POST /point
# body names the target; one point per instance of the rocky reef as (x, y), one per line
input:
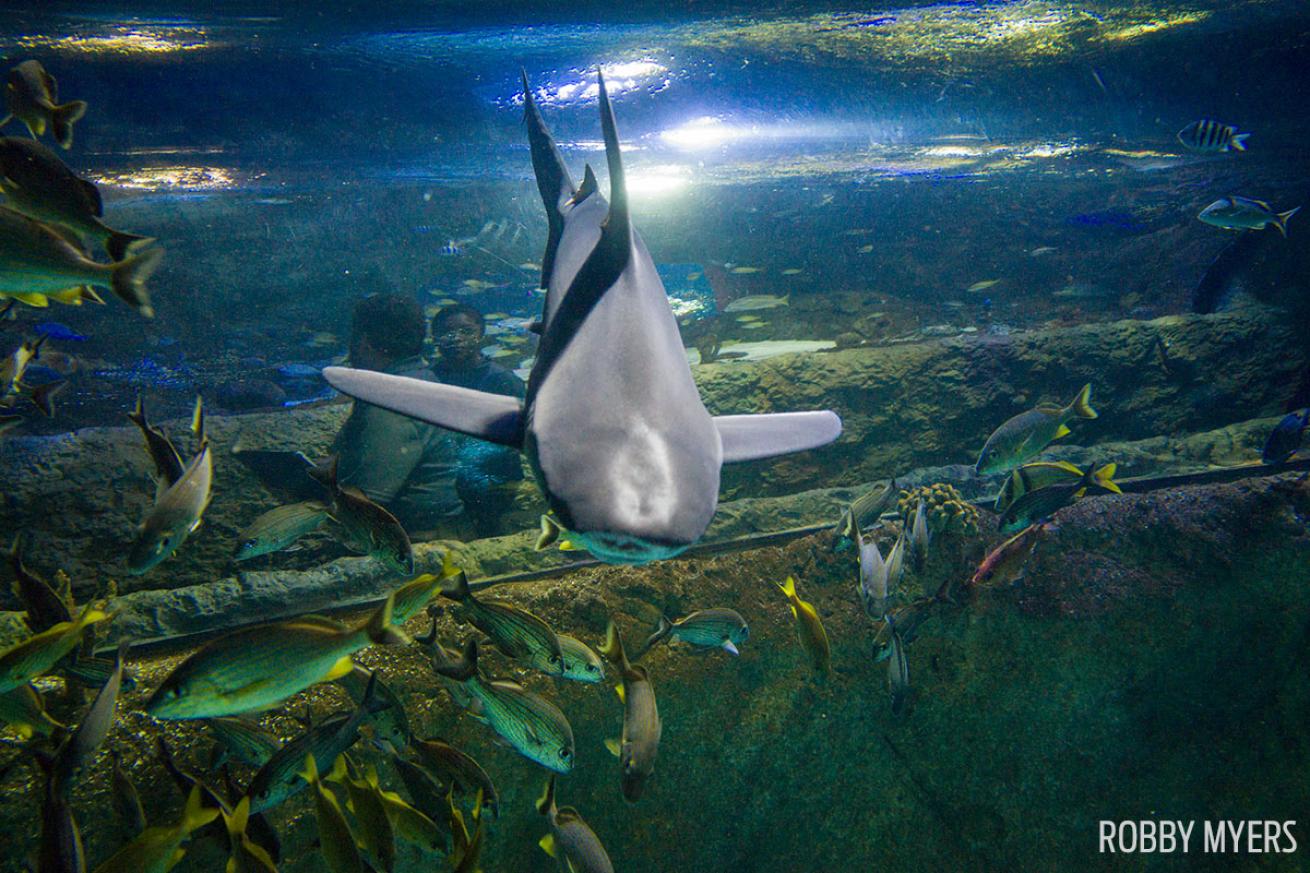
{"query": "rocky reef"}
(1123, 668)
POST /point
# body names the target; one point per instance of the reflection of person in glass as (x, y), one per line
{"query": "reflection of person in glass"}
(485, 473)
(400, 462)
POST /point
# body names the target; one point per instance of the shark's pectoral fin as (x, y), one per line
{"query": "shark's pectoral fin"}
(750, 437)
(495, 418)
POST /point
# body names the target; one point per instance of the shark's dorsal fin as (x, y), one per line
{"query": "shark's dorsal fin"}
(603, 267)
(553, 179)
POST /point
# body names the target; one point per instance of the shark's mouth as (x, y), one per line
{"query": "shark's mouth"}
(620, 548)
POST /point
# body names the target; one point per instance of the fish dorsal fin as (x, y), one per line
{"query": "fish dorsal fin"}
(589, 186)
(92, 195)
(553, 178)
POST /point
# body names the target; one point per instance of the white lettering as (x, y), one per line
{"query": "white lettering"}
(1186, 830)
(1214, 837)
(1107, 837)
(1287, 829)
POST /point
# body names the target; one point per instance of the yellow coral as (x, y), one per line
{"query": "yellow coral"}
(945, 508)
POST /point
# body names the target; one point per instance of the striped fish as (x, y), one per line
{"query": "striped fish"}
(515, 631)
(529, 722)
(718, 628)
(459, 770)
(581, 664)
(1208, 135)
(241, 740)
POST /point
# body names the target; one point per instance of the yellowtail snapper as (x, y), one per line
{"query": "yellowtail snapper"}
(23, 709)
(1026, 434)
(1039, 505)
(256, 668)
(639, 743)
(374, 829)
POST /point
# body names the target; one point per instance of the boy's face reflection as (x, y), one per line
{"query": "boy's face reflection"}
(460, 338)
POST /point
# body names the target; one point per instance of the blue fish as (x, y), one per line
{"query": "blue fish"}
(1111, 220)
(1285, 439)
(56, 331)
(147, 373)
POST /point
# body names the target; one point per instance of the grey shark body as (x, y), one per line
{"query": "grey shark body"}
(612, 425)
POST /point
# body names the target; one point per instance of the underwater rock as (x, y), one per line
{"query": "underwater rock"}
(245, 394)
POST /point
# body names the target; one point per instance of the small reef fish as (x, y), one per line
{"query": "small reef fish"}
(865, 249)
(639, 743)
(23, 709)
(1033, 476)
(32, 96)
(865, 510)
(717, 628)
(1041, 250)
(459, 770)
(898, 670)
(56, 331)
(406, 822)
(756, 302)
(93, 672)
(1004, 564)
(178, 508)
(79, 748)
(336, 842)
(38, 264)
(41, 186)
(256, 668)
(792, 271)
(44, 607)
(1026, 434)
(415, 594)
(873, 578)
(241, 740)
(531, 724)
(905, 621)
(280, 779)
(60, 849)
(364, 525)
(391, 728)
(280, 527)
(12, 386)
(979, 287)
(36, 655)
(164, 455)
(1038, 505)
(1285, 439)
(159, 849)
(917, 544)
(1208, 135)
(1243, 213)
(580, 664)
(744, 271)
(571, 840)
(809, 628)
(516, 632)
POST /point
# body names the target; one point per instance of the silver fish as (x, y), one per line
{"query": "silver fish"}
(1243, 213)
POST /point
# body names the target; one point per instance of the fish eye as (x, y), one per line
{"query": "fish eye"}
(591, 668)
(565, 753)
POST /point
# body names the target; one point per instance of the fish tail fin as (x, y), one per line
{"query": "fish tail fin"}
(88, 294)
(448, 568)
(138, 414)
(325, 473)
(62, 120)
(1283, 217)
(1082, 404)
(237, 821)
(1239, 141)
(44, 397)
(198, 419)
(196, 815)
(465, 668)
(788, 587)
(461, 591)
(550, 533)
(1105, 478)
(547, 800)
(612, 648)
(310, 773)
(379, 627)
(129, 280)
(120, 244)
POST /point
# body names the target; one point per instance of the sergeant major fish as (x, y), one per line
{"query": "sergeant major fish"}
(639, 743)
(1208, 135)
(1026, 434)
(32, 96)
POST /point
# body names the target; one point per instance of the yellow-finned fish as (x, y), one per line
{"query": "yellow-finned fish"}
(516, 632)
(23, 710)
(809, 628)
(32, 96)
(571, 840)
(24, 661)
(336, 842)
(1026, 434)
(374, 827)
(12, 386)
(178, 508)
(257, 668)
(38, 262)
(39, 185)
(246, 856)
(639, 744)
(159, 849)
